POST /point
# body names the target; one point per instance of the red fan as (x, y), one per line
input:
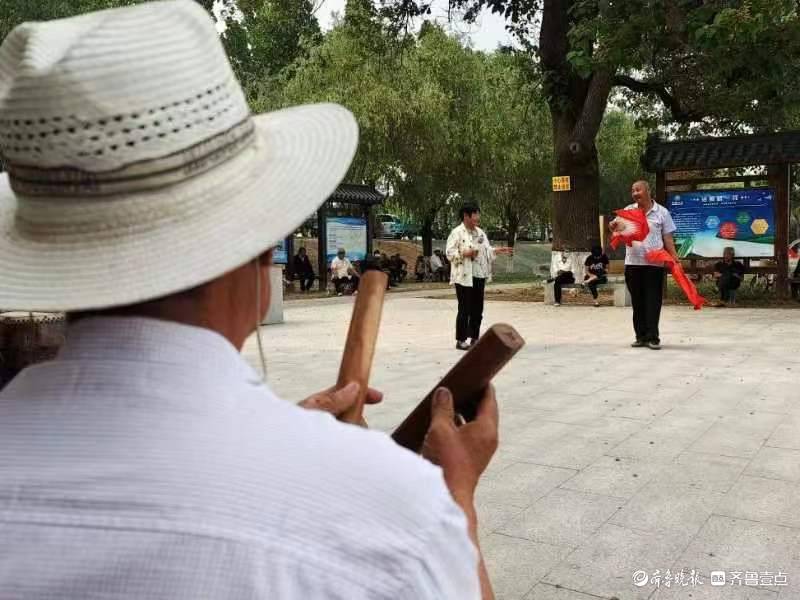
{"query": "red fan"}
(631, 227)
(687, 286)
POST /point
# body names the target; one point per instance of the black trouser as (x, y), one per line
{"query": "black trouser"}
(340, 282)
(561, 279)
(646, 285)
(592, 285)
(306, 281)
(726, 284)
(470, 309)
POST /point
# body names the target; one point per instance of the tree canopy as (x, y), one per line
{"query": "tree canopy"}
(697, 64)
(440, 123)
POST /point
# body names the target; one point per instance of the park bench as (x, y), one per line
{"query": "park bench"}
(616, 283)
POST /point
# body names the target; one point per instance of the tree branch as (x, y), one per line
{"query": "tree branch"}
(591, 117)
(679, 113)
(553, 41)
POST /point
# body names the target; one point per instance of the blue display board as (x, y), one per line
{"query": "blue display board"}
(280, 255)
(710, 220)
(349, 233)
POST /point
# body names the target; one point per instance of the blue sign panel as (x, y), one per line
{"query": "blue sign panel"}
(710, 220)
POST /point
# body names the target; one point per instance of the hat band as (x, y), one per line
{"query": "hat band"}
(143, 175)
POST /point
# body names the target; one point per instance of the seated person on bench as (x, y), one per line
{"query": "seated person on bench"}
(729, 274)
(437, 266)
(343, 272)
(445, 271)
(564, 276)
(421, 269)
(398, 268)
(596, 267)
(303, 270)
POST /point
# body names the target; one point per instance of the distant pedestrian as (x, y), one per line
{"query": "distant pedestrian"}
(645, 280)
(596, 266)
(729, 274)
(303, 270)
(471, 257)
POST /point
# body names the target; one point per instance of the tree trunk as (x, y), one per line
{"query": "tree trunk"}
(427, 236)
(576, 213)
(512, 226)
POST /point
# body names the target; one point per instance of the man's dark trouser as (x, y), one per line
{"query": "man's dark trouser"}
(726, 284)
(561, 279)
(470, 309)
(340, 282)
(646, 285)
(306, 281)
(593, 285)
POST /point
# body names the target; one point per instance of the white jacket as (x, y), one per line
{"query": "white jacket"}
(459, 242)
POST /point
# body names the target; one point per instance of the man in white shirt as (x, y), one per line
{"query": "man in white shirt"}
(644, 279)
(471, 258)
(149, 460)
(343, 272)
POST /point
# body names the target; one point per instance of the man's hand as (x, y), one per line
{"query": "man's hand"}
(339, 401)
(508, 251)
(469, 253)
(463, 452)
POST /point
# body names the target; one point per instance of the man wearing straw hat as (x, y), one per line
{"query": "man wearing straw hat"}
(149, 460)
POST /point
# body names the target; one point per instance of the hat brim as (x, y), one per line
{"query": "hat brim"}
(185, 234)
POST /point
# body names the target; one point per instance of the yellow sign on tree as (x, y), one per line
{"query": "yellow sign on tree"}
(562, 184)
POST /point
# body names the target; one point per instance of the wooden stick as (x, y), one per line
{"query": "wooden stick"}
(467, 381)
(359, 348)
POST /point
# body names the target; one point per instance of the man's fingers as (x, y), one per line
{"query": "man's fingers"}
(442, 410)
(345, 397)
(374, 396)
(487, 409)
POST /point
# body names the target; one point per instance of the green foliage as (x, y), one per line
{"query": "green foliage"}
(264, 37)
(261, 37)
(514, 141)
(439, 122)
(726, 63)
(14, 12)
(620, 143)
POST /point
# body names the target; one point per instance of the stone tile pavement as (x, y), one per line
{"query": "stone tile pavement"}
(612, 460)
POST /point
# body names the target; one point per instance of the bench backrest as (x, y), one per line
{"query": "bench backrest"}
(616, 267)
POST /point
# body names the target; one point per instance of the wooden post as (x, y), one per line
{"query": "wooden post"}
(370, 229)
(322, 245)
(661, 198)
(362, 338)
(780, 179)
(289, 245)
(661, 188)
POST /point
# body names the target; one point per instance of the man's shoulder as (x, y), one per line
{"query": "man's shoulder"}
(661, 209)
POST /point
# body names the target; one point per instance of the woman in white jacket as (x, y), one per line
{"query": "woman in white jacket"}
(471, 257)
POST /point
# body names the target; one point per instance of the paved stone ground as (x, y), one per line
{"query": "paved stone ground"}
(612, 459)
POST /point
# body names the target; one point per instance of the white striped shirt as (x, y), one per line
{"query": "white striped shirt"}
(660, 222)
(149, 462)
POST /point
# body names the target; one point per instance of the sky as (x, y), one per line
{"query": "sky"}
(485, 34)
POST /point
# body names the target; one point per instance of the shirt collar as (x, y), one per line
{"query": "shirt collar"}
(145, 340)
(653, 208)
(656, 206)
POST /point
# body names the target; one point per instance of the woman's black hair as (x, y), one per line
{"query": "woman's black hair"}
(470, 209)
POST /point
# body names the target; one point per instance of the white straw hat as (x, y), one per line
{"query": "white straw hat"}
(135, 169)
